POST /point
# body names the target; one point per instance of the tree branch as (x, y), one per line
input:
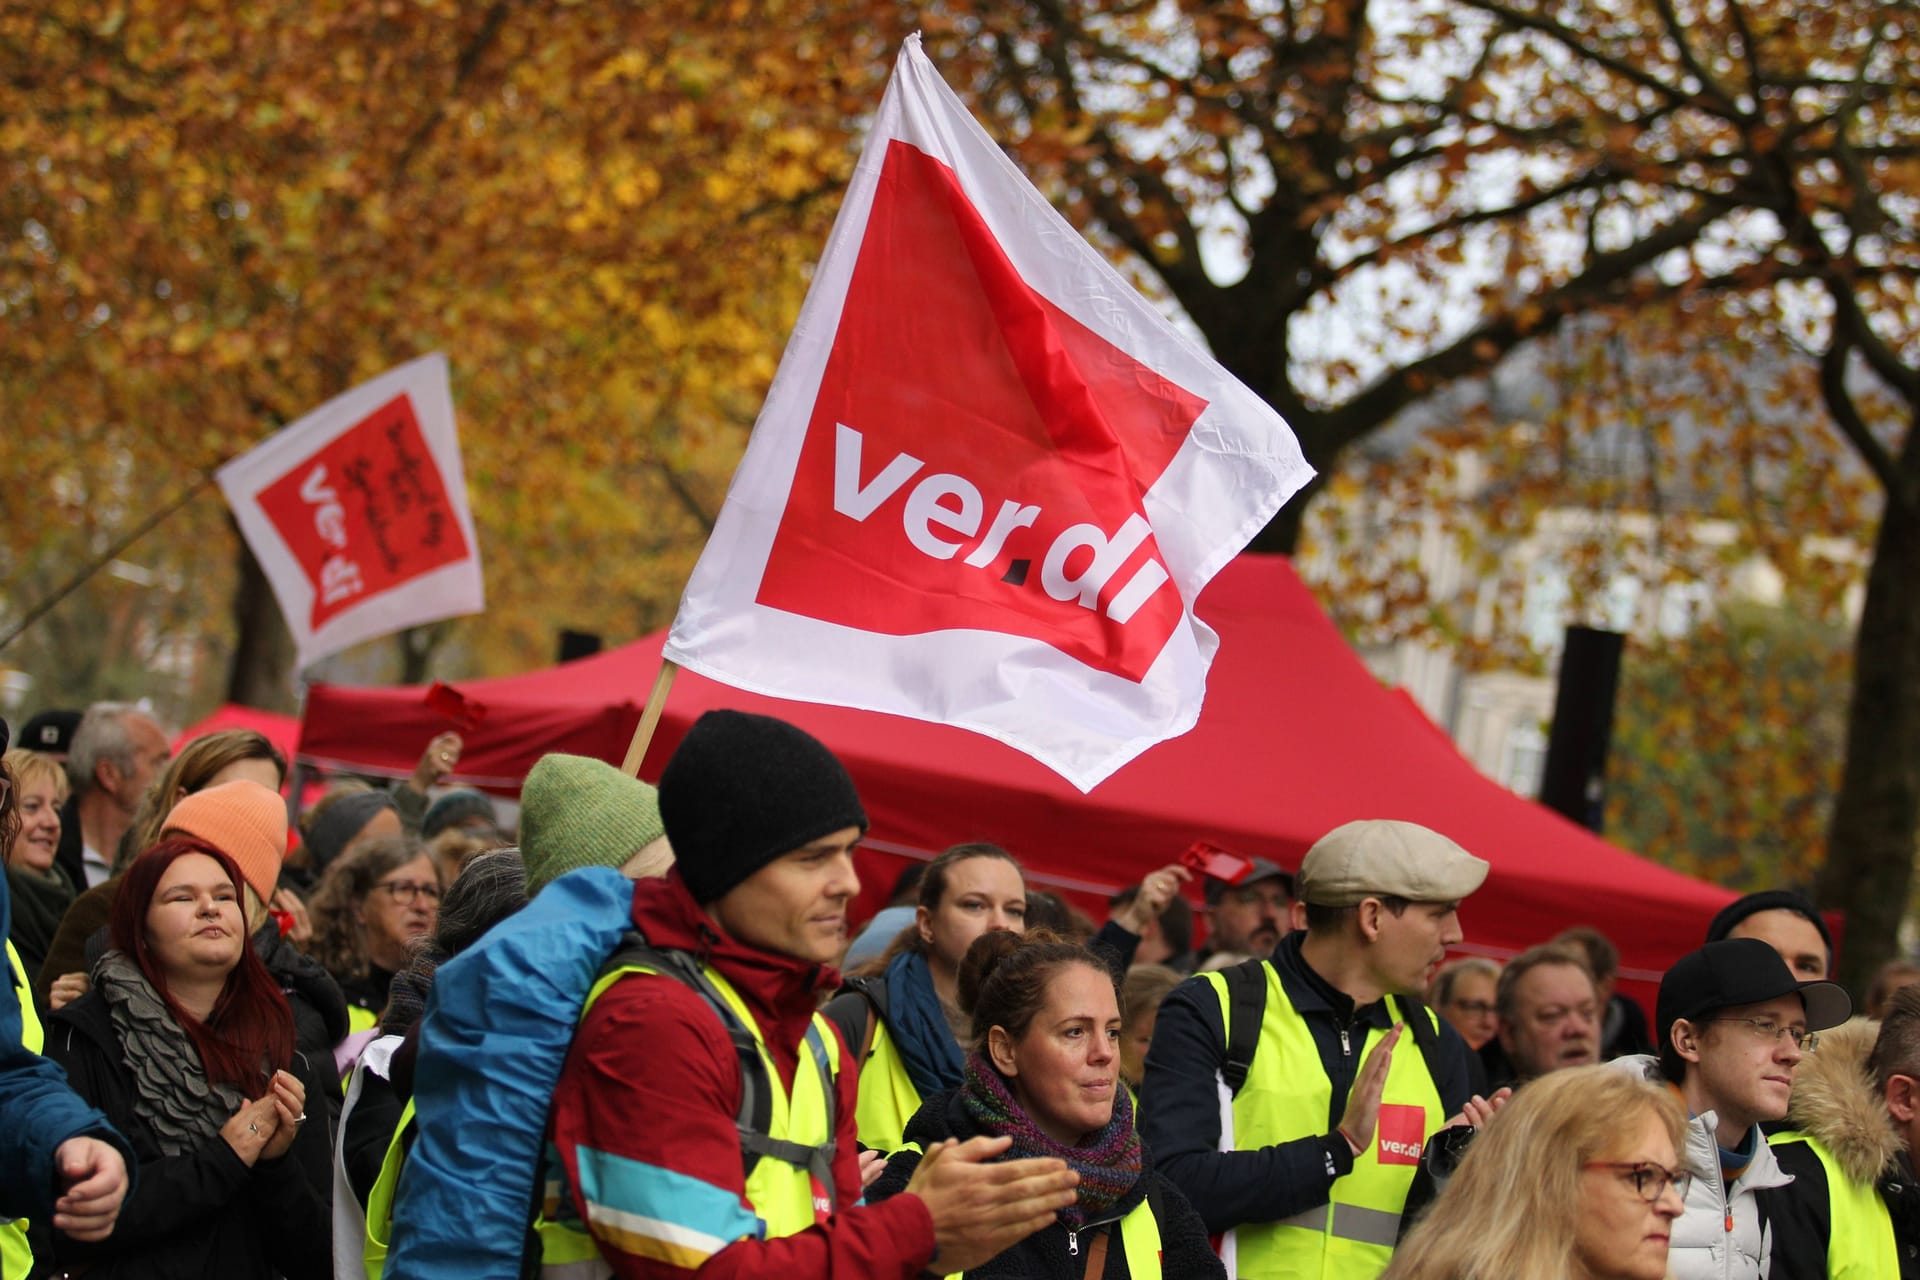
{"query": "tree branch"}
(1494, 336)
(1677, 32)
(1847, 417)
(1560, 35)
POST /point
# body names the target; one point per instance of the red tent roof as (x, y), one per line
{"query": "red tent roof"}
(1296, 737)
(282, 731)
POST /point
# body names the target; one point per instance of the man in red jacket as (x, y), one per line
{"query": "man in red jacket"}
(763, 821)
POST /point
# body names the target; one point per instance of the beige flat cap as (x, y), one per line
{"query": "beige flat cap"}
(1380, 857)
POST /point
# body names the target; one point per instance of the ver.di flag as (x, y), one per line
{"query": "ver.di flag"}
(989, 480)
(358, 512)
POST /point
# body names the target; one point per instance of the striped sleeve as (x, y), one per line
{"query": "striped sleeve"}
(644, 1130)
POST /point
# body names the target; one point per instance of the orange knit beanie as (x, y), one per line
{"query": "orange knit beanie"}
(244, 820)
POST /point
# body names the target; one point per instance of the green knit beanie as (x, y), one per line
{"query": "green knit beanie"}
(578, 812)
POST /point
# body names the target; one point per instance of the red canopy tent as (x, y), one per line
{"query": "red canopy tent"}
(282, 731)
(1296, 737)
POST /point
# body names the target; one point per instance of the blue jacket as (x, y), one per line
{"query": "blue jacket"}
(38, 1111)
(500, 1018)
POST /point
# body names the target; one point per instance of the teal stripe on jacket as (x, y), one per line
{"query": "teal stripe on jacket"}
(648, 1191)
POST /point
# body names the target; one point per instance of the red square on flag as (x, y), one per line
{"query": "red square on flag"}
(976, 458)
(1402, 1133)
(367, 512)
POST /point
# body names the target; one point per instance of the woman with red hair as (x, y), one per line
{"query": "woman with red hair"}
(186, 1043)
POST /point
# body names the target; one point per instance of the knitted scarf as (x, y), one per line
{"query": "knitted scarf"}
(919, 1025)
(1109, 1163)
(171, 1092)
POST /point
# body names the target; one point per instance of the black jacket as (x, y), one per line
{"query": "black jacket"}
(1180, 1099)
(319, 1006)
(70, 854)
(204, 1213)
(1054, 1251)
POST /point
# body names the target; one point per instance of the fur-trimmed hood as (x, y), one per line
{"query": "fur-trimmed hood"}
(1834, 1101)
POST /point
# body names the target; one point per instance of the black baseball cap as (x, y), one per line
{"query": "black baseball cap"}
(50, 731)
(1262, 869)
(1737, 971)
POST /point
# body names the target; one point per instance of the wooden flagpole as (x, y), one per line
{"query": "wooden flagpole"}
(650, 718)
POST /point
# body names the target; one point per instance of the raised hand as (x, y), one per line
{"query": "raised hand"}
(290, 1112)
(1363, 1104)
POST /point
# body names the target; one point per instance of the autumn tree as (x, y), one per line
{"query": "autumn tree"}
(1356, 204)
(1642, 472)
(214, 218)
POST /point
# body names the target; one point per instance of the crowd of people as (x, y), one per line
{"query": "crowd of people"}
(637, 1037)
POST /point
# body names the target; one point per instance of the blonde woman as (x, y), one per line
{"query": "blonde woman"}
(1578, 1178)
(40, 890)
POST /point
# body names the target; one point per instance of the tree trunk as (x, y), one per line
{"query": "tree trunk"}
(1876, 817)
(418, 645)
(263, 647)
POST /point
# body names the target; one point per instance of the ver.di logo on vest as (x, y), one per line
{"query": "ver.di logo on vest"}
(1402, 1133)
(1003, 491)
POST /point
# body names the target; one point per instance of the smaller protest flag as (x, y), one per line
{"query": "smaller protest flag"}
(990, 479)
(358, 512)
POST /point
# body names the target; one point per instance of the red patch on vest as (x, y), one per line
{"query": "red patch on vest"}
(1402, 1133)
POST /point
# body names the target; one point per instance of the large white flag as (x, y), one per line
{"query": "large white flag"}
(989, 480)
(358, 512)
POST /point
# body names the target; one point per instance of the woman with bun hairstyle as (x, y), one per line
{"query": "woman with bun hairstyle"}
(186, 1044)
(1044, 1071)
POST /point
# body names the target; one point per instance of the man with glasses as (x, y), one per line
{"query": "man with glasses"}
(1246, 921)
(1734, 1025)
(1852, 1211)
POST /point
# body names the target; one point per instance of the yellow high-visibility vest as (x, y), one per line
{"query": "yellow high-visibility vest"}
(783, 1195)
(1288, 1095)
(1860, 1240)
(887, 1096)
(16, 1256)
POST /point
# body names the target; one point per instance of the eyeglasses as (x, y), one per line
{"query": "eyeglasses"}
(405, 892)
(1474, 1008)
(1804, 1040)
(1650, 1181)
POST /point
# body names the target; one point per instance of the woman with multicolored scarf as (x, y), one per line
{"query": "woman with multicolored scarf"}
(1044, 1070)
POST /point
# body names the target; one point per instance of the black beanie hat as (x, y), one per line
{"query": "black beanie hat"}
(742, 790)
(1768, 900)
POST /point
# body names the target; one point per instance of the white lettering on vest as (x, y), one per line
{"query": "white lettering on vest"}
(952, 503)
